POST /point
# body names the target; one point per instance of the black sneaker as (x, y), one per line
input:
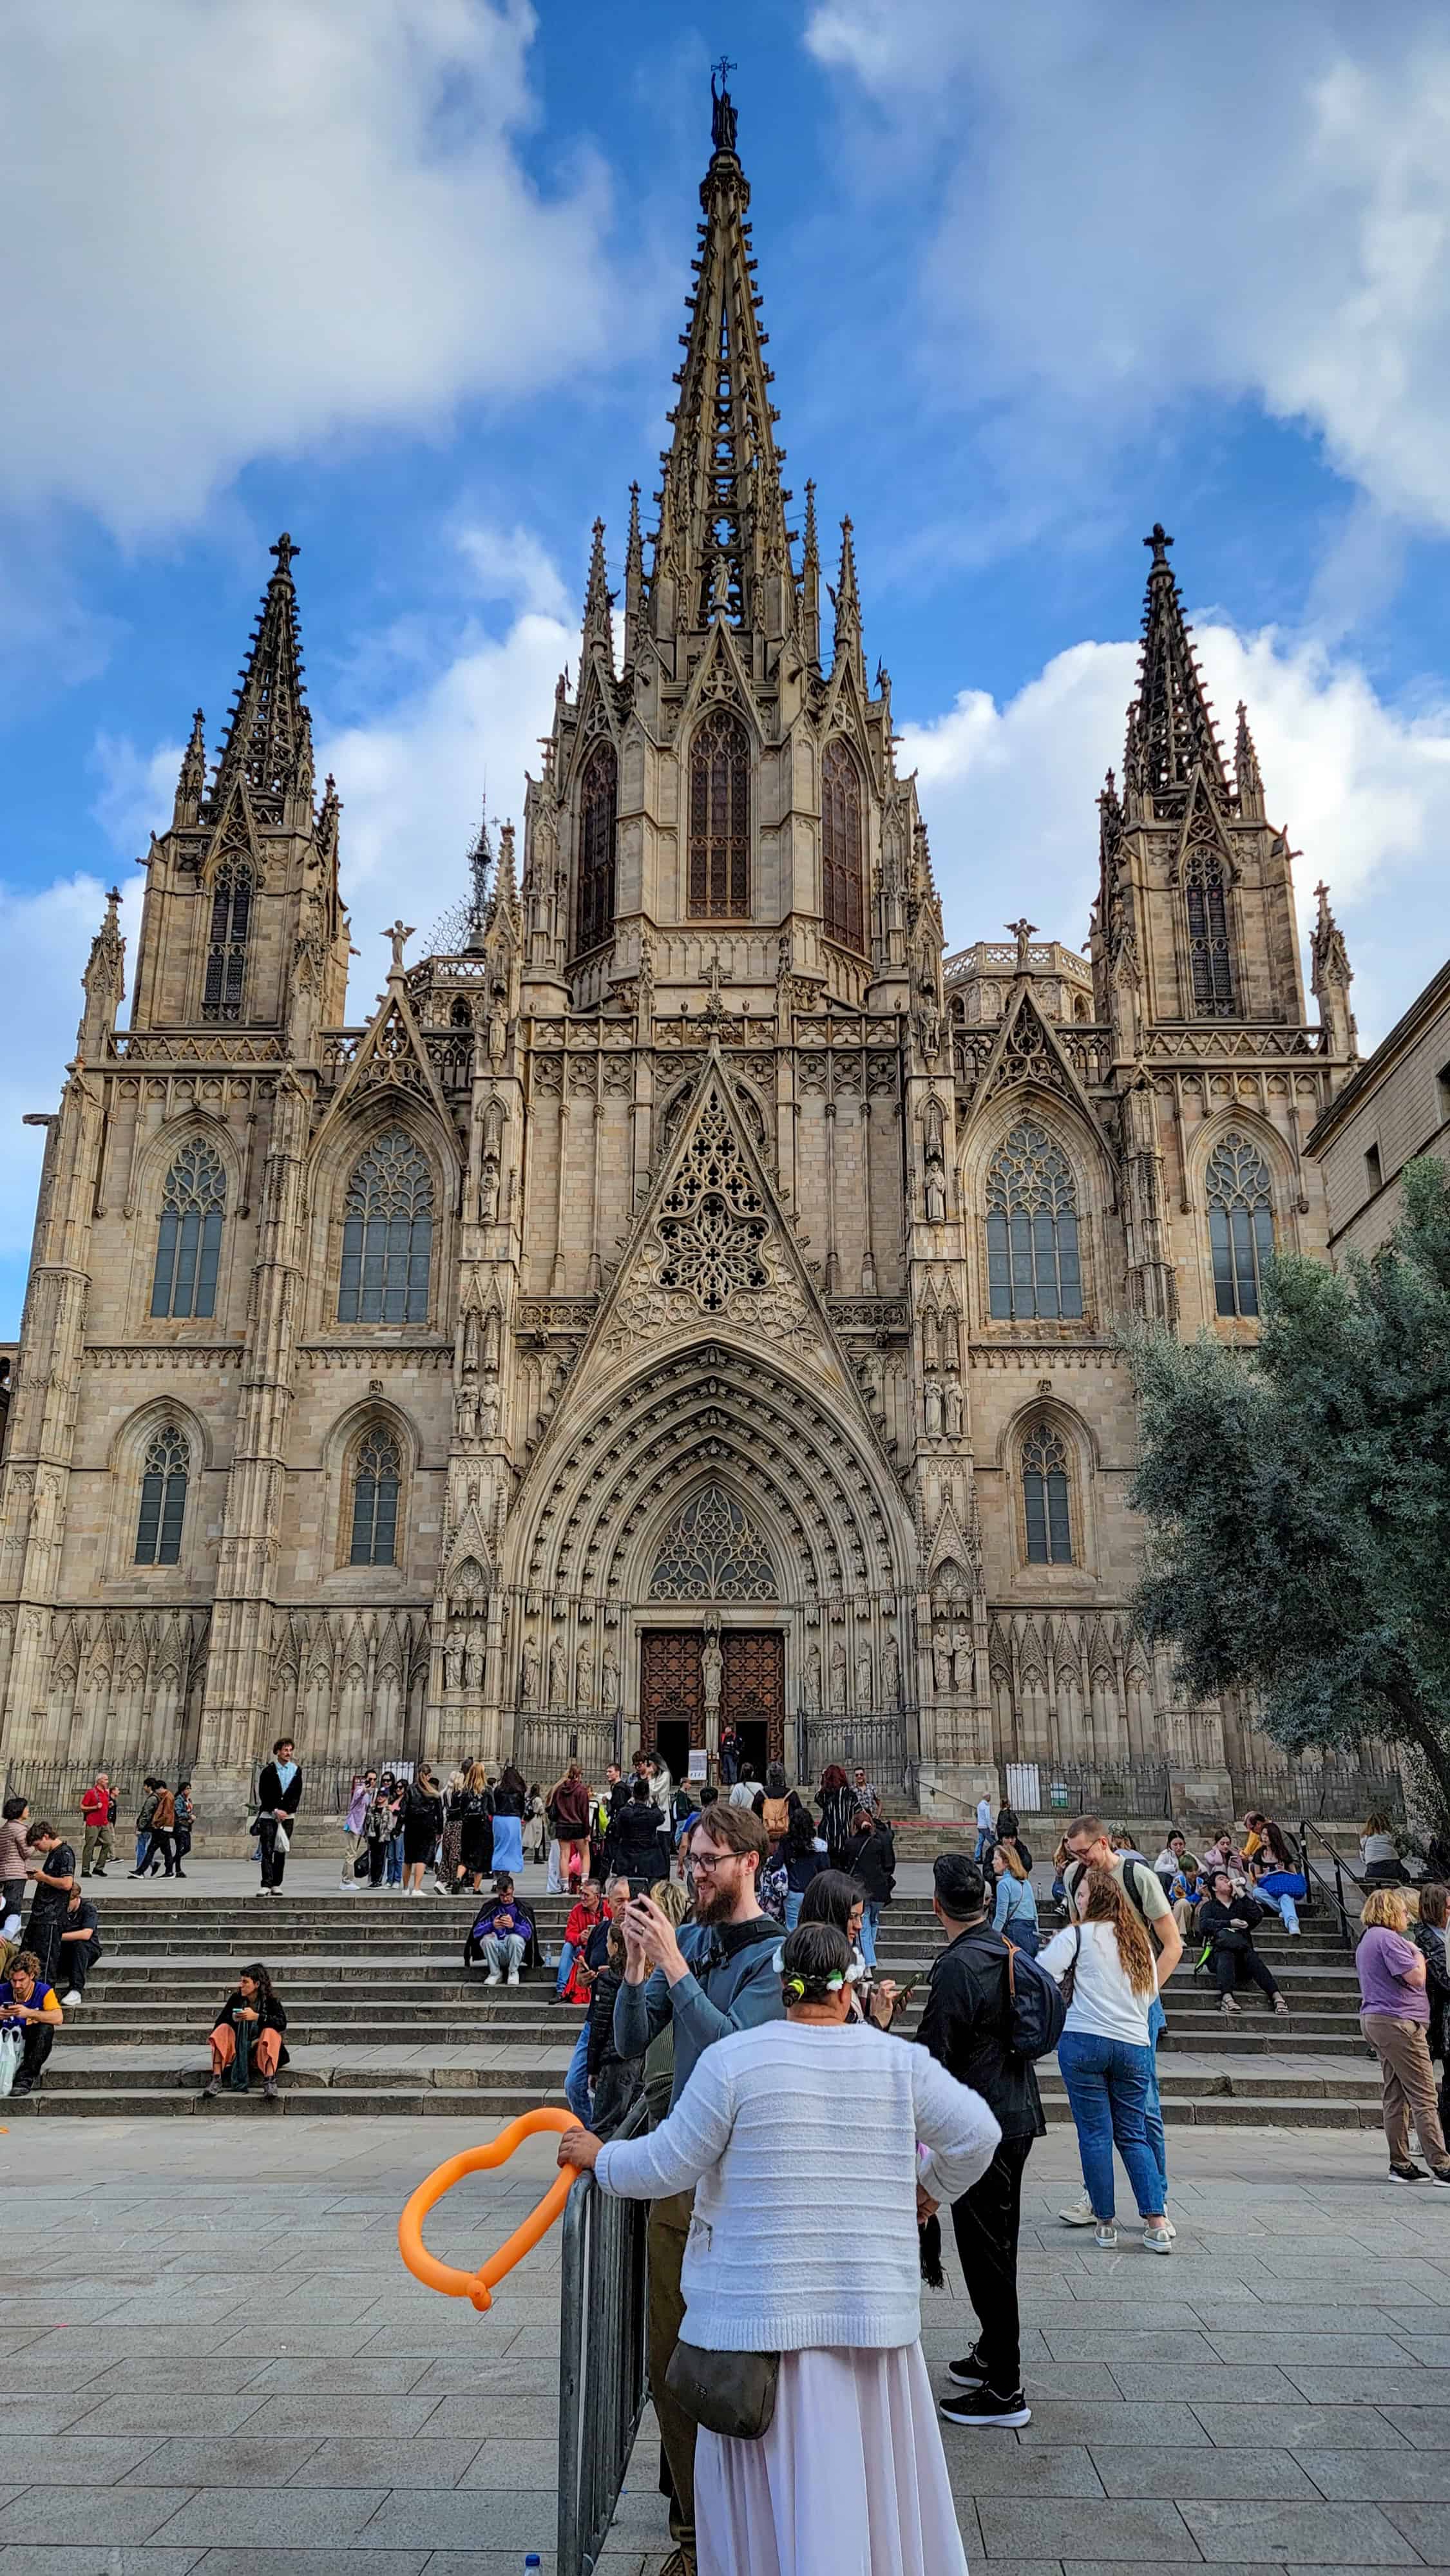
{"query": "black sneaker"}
(982, 2407)
(1407, 2173)
(971, 2373)
(1441, 2175)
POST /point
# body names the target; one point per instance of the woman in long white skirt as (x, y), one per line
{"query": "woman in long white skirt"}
(783, 2131)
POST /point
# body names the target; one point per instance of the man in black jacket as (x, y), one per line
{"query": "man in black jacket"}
(967, 2028)
(279, 1795)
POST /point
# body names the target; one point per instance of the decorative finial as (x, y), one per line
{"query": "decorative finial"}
(284, 550)
(1160, 541)
(722, 117)
(400, 933)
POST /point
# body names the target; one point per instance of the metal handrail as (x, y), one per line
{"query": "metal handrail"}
(1313, 1879)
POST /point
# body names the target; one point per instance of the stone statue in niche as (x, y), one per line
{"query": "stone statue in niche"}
(473, 1662)
(891, 1671)
(488, 1191)
(962, 1658)
(609, 1680)
(529, 1673)
(956, 1410)
(813, 1678)
(933, 1410)
(936, 1190)
(583, 1677)
(712, 1670)
(464, 1414)
(558, 1674)
(863, 1677)
(838, 1675)
(453, 1660)
(941, 1661)
(487, 1415)
(498, 1030)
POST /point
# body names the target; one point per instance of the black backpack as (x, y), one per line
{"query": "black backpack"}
(1036, 2004)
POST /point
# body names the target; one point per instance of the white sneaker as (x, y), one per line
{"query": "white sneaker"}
(493, 1978)
(74, 1997)
(1106, 2234)
(1157, 2240)
(513, 1976)
(1080, 2214)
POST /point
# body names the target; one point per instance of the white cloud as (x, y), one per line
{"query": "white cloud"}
(229, 232)
(1362, 789)
(48, 934)
(1135, 204)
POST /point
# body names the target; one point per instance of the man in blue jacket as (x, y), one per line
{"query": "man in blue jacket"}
(713, 1976)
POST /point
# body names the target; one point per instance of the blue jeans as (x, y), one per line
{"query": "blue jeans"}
(395, 1861)
(576, 2082)
(985, 1840)
(1107, 2088)
(793, 1904)
(870, 1919)
(566, 1967)
(1153, 2108)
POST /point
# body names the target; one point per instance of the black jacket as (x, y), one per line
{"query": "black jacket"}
(272, 1798)
(965, 2027)
(602, 2051)
(272, 2017)
(635, 1849)
(1215, 1920)
(873, 1863)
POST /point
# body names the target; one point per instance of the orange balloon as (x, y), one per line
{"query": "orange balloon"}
(479, 2286)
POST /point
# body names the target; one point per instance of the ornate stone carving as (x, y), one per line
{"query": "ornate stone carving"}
(712, 1552)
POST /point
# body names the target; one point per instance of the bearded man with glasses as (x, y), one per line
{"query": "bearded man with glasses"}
(715, 1975)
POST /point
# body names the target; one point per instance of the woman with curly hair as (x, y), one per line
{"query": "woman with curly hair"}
(1105, 2053)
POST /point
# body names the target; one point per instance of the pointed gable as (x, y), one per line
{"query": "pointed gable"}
(1028, 1051)
(392, 1055)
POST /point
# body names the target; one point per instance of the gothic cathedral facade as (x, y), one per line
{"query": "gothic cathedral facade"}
(692, 1298)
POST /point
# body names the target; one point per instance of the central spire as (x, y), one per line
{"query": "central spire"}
(269, 735)
(721, 500)
(1170, 724)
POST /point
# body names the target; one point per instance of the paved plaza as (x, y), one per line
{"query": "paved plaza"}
(217, 2361)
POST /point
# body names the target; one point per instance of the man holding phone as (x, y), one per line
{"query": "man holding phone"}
(714, 1975)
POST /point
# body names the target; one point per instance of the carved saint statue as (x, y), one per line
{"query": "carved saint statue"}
(488, 1191)
(498, 1032)
(813, 1678)
(488, 1414)
(956, 1411)
(863, 1677)
(473, 1664)
(941, 1660)
(558, 1674)
(712, 1673)
(838, 1675)
(609, 1680)
(529, 1673)
(962, 1658)
(933, 1409)
(891, 1671)
(453, 1659)
(583, 1676)
(936, 1190)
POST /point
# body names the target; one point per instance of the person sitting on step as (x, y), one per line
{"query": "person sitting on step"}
(247, 2036)
(502, 1936)
(30, 2005)
(1226, 1921)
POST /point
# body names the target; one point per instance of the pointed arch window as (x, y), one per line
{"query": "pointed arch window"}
(719, 859)
(377, 1476)
(1033, 1267)
(189, 1234)
(1240, 1222)
(842, 865)
(387, 1235)
(598, 797)
(1210, 961)
(226, 956)
(1046, 1495)
(163, 1498)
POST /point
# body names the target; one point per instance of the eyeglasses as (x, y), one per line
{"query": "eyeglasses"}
(710, 1861)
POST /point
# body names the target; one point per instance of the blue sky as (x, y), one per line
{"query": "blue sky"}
(405, 276)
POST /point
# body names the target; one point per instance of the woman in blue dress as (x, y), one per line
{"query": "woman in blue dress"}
(509, 1801)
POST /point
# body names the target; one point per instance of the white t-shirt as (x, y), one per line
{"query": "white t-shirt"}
(1104, 2005)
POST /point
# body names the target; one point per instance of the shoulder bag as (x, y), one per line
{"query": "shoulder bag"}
(732, 2393)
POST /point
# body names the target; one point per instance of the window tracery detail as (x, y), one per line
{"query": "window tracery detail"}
(1240, 1222)
(377, 1476)
(1209, 956)
(598, 796)
(1046, 1495)
(841, 847)
(163, 1498)
(713, 1221)
(1034, 1269)
(189, 1232)
(226, 956)
(387, 1235)
(713, 1552)
(719, 851)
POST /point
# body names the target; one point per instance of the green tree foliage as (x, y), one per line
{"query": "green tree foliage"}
(1298, 1497)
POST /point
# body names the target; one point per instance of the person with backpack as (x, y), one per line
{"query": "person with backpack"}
(1105, 2056)
(1088, 1848)
(775, 1803)
(159, 1845)
(968, 2027)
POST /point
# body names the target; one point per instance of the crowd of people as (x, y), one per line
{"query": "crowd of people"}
(46, 1958)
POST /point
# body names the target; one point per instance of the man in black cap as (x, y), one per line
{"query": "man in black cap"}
(967, 2028)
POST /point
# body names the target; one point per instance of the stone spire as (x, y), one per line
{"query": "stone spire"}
(268, 746)
(810, 589)
(721, 493)
(191, 783)
(598, 603)
(1330, 977)
(633, 578)
(104, 981)
(846, 599)
(1170, 725)
(1248, 779)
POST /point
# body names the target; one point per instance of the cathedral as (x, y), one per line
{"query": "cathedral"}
(692, 1298)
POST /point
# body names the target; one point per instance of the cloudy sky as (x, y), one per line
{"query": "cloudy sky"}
(405, 277)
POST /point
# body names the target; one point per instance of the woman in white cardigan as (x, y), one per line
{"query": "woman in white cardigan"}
(787, 2131)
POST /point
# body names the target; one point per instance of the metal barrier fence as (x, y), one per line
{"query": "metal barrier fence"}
(877, 1742)
(1341, 1792)
(603, 2359)
(1071, 1789)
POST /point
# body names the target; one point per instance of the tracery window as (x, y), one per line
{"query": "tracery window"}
(719, 858)
(387, 1235)
(1240, 1222)
(226, 956)
(712, 1220)
(376, 1478)
(189, 1233)
(841, 847)
(1033, 1268)
(1046, 1501)
(1208, 944)
(712, 1552)
(597, 799)
(163, 1498)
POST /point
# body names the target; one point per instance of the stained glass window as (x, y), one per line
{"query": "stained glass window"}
(719, 863)
(1045, 1496)
(841, 850)
(189, 1235)
(1208, 946)
(226, 956)
(597, 797)
(163, 1499)
(375, 1501)
(387, 1235)
(1033, 1269)
(1240, 1222)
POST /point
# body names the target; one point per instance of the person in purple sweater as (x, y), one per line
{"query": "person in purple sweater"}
(1395, 2018)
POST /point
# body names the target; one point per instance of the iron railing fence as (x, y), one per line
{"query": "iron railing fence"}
(544, 1747)
(878, 1743)
(603, 2359)
(1068, 1789)
(1336, 1792)
(54, 1789)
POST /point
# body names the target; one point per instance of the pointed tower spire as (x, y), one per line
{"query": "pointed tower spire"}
(846, 598)
(104, 981)
(810, 590)
(722, 491)
(191, 784)
(598, 602)
(1331, 976)
(1170, 726)
(633, 578)
(1248, 779)
(268, 744)
(480, 859)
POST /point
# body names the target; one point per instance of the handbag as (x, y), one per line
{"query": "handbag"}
(732, 2393)
(361, 1866)
(283, 1843)
(12, 2048)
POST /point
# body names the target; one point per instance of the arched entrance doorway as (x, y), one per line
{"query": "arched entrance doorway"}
(726, 1668)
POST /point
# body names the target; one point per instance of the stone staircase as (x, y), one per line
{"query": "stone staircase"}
(383, 2018)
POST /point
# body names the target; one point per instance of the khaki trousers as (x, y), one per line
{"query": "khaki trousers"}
(99, 1843)
(669, 2226)
(1403, 2051)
